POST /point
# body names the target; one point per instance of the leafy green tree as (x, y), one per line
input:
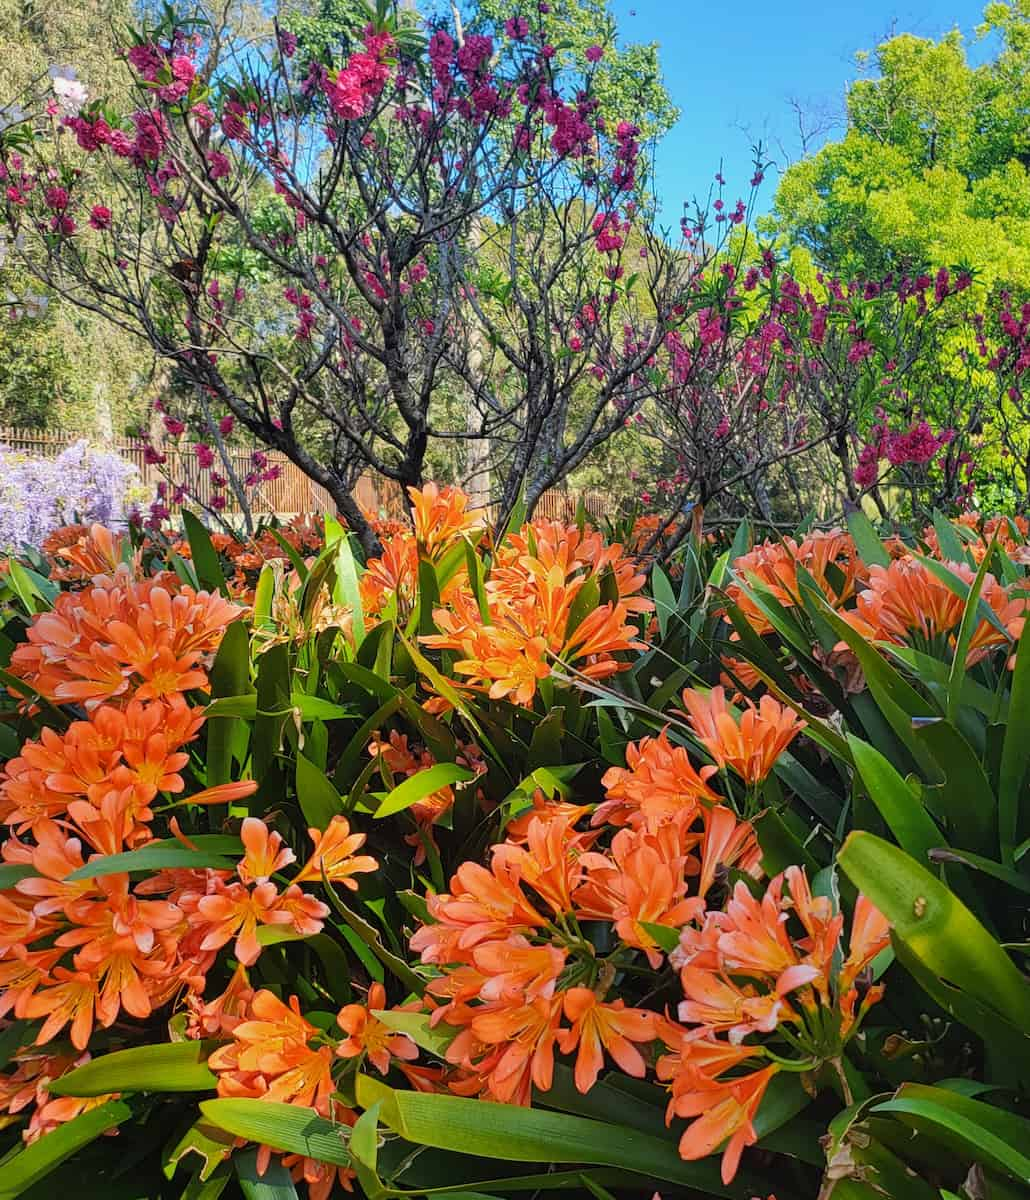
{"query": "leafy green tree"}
(61, 366)
(932, 169)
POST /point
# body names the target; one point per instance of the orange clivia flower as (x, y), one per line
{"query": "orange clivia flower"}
(750, 747)
(265, 852)
(907, 603)
(122, 638)
(658, 782)
(441, 515)
(367, 1035)
(335, 855)
(597, 1027)
(725, 1112)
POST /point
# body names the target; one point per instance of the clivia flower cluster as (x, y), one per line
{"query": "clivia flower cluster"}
(531, 951)
(83, 946)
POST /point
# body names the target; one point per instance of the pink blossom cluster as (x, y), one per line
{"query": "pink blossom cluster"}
(356, 85)
(917, 446)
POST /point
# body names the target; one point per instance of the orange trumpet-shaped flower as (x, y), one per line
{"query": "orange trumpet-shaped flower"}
(441, 515)
(266, 853)
(482, 904)
(270, 1057)
(751, 747)
(597, 1027)
(516, 967)
(525, 1035)
(122, 638)
(727, 842)
(753, 934)
(367, 1035)
(80, 553)
(658, 782)
(548, 863)
(235, 912)
(718, 1004)
(905, 602)
(870, 933)
(723, 1111)
(71, 1000)
(334, 855)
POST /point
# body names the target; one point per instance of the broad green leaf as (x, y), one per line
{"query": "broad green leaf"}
(346, 589)
(1015, 755)
(284, 1127)
(264, 595)
(417, 1026)
(274, 1183)
(664, 598)
(996, 870)
(899, 806)
(930, 920)
(205, 559)
(951, 546)
(319, 801)
(507, 1132)
(35, 1162)
(161, 855)
(967, 626)
(11, 873)
(871, 549)
(165, 1067)
(203, 1141)
(977, 1138)
(423, 783)
(274, 690)
(971, 826)
(230, 676)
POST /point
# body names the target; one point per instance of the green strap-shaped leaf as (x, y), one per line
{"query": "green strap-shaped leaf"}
(205, 558)
(157, 856)
(170, 1067)
(284, 1127)
(423, 783)
(508, 1132)
(938, 929)
(1015, 754)
(274, 1183)
(899, 806)
(346, 589)
(319, 800)
(977, 1138)
(230, 676)
(872, 550)
(35, 1162)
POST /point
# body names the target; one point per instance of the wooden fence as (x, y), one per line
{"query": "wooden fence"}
(291, 493)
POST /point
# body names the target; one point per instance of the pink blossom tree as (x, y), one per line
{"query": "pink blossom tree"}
(327, 257)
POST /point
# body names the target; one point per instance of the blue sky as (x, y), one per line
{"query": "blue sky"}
(733, 69)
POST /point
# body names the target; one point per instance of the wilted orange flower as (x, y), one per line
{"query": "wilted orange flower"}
(751, 747)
